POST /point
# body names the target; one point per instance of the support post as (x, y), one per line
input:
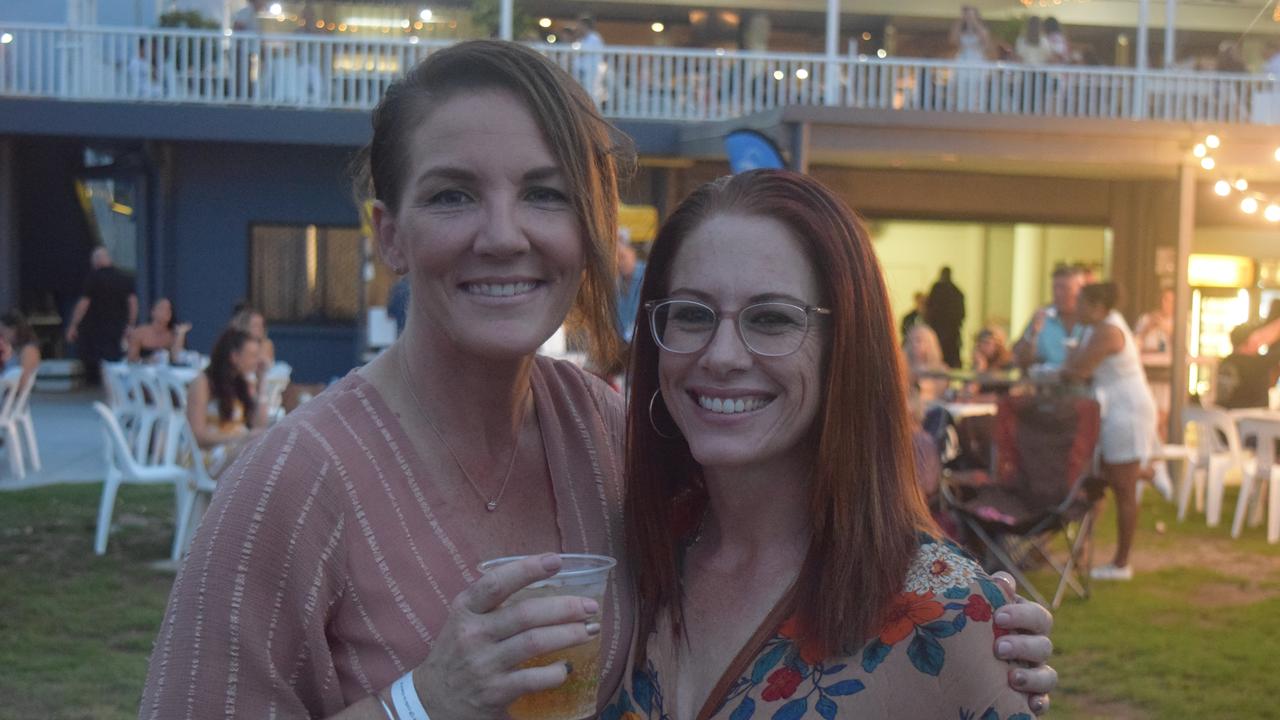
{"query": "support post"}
(831, 89)
(800, 147)
(1170, 32)
(1181, 299)
(504, 20)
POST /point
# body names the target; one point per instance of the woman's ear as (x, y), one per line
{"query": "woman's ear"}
(384, 226)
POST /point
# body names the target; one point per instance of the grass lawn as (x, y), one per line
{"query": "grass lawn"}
(1195, 635)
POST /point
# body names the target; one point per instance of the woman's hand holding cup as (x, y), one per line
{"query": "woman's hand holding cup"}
(474, 670)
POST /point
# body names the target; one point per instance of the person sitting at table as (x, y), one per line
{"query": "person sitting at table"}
(223, 405)
(1109, 356)
(1045, 339)
(19, 347)
(926, 371)
(163, 333)
(990, 353)
(247, 318)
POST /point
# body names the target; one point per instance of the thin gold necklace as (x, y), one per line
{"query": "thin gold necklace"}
(490, 501)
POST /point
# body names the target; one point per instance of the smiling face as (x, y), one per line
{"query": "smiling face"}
(485, 226)
(246, 358)
(734, 407)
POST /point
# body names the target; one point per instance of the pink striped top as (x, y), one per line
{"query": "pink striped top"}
(326, 562)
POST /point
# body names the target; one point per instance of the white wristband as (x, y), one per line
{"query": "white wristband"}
(405, 697)
(387, 710)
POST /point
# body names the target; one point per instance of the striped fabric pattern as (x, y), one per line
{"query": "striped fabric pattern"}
(325, 565)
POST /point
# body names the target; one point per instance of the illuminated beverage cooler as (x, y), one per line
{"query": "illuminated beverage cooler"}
(1220, 300)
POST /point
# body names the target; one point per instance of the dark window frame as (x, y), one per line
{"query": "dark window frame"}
(321, 318)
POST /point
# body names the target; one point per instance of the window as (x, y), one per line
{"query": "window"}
(305, 274)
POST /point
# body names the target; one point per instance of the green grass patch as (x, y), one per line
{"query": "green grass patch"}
(1195, 635)
(78, 628)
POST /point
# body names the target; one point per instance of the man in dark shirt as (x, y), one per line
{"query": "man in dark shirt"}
(107, 308)
(944, 312)
(1243, 377)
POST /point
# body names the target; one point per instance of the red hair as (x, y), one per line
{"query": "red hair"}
(863, 492)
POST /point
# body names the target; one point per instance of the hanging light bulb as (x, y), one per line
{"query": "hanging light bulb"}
(1208, 163)
(1249, 205)
(1222, 187)
(1213, 141)
(1272, 213)
(1278, 154)
(1199, 150)
(1242, 184)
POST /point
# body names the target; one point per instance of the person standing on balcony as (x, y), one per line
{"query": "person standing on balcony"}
(944, 312)
(591, 45)
(1059, 46)
(108, 307)
(1032, 47)
(970, 36)
(247, 51)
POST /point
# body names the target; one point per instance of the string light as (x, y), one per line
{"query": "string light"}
(1241, 184)
(1251, 201)
(1272, 213)
(1212, 141)
(1208, 163)
(1222, 187)
(1200, 150)
(1249, 205)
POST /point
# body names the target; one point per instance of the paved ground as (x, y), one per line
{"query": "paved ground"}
(70, 441)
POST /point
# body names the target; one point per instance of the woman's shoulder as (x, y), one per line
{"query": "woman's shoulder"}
(563, 374)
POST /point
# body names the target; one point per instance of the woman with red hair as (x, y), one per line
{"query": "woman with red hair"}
(785, 563)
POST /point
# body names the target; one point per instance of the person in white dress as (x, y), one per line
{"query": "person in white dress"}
(1108, 355)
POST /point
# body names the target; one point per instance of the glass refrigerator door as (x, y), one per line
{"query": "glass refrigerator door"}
(1214, 313)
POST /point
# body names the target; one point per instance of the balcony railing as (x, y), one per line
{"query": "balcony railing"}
(324, 72)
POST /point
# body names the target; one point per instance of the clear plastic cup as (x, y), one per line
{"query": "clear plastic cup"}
(582, 576)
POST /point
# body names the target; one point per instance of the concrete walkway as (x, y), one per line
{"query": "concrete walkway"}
(70, 440)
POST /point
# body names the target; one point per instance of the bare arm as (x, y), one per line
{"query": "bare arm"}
(1268, 334)
(179, 341)
(133, 309)
(1024, 351)
(1105, 341)
(134, 336)
(73, 327)
(30, 361)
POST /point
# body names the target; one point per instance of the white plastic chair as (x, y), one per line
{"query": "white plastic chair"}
(1264, 471)
(22, 417)
(1212, 460)
(152, 408)
(193, 493)
(9, 392)
(122, 468)
(122, 396)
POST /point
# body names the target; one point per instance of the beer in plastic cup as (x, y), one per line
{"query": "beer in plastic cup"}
(583, 576)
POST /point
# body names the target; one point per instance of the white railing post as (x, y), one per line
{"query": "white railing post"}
(831, 87)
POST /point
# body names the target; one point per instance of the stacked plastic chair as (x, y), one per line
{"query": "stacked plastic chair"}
(16, 427)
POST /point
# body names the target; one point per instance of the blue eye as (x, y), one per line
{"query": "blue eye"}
(449, 197)
(546, 195)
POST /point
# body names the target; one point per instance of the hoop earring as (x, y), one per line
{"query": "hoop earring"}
(654, 425)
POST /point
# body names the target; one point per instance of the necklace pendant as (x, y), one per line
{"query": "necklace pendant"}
(491, 505)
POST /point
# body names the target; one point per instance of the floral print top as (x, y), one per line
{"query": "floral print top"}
(934, 658)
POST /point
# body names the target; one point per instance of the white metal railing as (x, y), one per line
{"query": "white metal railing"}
(325, 72)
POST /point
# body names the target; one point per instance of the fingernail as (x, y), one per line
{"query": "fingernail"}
(1036, 705)
(550, 562)
(589, 606)
(593, 629)
(1003, 648)
(568, 668)
(1002, 616)
(1019, 679)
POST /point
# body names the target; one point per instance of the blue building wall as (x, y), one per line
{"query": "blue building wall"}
(219, 190)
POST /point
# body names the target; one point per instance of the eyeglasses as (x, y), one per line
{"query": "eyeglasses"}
(770, 329)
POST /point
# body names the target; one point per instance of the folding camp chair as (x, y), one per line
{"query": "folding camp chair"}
(1041, 485)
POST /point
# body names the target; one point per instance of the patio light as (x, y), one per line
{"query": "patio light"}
(802, 74)
(6, 38)
(426, 16)
(1199, 150)
(1212, 141)
(1278, 154)
(1272, 213)
(544, 22)
(1208, 163)
(276, 9)
(657, 27)
(1242, 184)
(1249, 205)
(1222, 187)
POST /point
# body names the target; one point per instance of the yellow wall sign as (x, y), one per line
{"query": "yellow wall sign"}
(640, 221)
(1224, 271)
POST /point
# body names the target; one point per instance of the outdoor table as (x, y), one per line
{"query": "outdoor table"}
(1264, 425)
(962, 410)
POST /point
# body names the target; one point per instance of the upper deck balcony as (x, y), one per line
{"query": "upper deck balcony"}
(152, 66)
